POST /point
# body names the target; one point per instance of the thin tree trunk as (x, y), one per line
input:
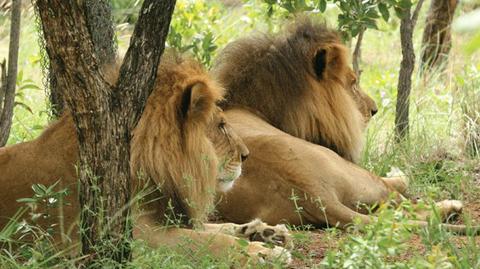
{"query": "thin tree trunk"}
(9, 93)
(437, 37)
(407, 25)
(357, 56)
(100, 26)
(3, 82)
(104, 114)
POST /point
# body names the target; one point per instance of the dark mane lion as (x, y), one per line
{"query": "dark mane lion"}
(301, 82)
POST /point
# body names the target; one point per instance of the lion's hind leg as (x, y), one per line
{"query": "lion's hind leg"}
(255, 230)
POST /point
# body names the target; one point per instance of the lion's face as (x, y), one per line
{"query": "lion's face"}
(230, 149)
(364, 102)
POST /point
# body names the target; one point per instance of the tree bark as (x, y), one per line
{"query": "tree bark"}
(98, 14)
(357, 56)
(104, 114)
(11, 79)
(437, 37)
(407, 25)
(3, 83)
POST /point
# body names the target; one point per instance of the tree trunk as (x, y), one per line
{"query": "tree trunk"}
(407, 25)
(100, 26)
(437, 40)
(104, 114)
(8, 92)
(357, 56)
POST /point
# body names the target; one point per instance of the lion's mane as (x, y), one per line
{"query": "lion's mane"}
(170, 144)
(170, 149)
(300, 82)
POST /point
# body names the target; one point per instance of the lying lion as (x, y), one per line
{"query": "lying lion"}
(294, 101)
(184, 148)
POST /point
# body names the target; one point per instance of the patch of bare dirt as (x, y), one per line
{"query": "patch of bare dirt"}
(312, 251)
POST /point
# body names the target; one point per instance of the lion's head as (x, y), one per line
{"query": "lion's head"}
(302, 83)
(183, 143)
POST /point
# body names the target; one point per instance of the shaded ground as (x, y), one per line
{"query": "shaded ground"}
(313, 245)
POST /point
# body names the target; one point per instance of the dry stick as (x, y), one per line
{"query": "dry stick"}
(9, 102)
(407, 24)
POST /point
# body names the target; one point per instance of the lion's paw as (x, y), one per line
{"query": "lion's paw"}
(450, 209)
(258, 230)
(274, 254)
(452, 206)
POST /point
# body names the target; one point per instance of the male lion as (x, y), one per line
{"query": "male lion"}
(184, 148)
(301, 84)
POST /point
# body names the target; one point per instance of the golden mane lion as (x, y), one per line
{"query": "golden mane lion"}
(285, 92)
(184, 148)
(301, 83)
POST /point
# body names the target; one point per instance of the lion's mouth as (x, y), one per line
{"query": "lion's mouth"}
(226, 178)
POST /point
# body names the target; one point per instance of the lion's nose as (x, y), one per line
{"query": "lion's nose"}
(244, 156)
(374, 111)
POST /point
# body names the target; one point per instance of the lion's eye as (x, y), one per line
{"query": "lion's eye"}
(221, 125)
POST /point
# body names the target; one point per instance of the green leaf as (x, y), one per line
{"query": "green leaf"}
(473, 45)
(405, 4)
(384, 11)
(37, 127)
(322, 5)
(399, 12)
(372, 13)
(50, 189)
(369, 23)
(24, 106)
(32, 86)
(27, 200)
(39, 189)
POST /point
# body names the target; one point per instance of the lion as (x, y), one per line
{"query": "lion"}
(286, 79)
(184, 149)
(294, 101)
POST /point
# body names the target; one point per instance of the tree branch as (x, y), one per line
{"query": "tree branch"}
(416, 12)
(139, 68)
(83, 63)
(9, 102)
(357, 55)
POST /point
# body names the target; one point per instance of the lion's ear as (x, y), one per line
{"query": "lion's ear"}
(330, 62)
(320, 62)
(196, 100)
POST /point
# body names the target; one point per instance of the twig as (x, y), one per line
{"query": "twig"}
(416, 12)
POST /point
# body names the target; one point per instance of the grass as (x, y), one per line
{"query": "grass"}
(441, 156)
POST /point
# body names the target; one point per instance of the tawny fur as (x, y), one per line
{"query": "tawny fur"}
(176, 148)
(276, 76)
(274, 81)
